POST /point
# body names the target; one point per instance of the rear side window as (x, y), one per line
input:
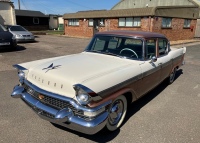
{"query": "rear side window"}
(150, 48)
(162, 45)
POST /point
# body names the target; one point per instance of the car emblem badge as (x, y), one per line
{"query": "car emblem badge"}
(40, 96)
(51, 67)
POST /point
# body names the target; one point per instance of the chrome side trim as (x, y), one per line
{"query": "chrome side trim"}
(19, 67)
(115, 88)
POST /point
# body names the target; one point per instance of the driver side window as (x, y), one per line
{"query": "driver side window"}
(150, 48)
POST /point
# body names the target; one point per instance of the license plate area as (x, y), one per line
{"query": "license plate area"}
(4, 43)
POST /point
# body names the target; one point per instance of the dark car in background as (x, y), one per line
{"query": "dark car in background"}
(20, 33)
(7, 39)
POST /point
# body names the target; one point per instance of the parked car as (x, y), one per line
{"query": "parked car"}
(91, 90)
(20, 33)
(7, 39)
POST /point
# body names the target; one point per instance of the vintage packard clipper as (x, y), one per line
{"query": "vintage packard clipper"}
(91, 90)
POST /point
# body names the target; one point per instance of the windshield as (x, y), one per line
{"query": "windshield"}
(17, 28)
(2, 28)
(117, 46)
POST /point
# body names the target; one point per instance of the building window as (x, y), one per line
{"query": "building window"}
(91, 22)
(35, 20)
(130, 22)
(73, 22)
(166, 22)
(122, 21)
(137, 21)
(187, 23)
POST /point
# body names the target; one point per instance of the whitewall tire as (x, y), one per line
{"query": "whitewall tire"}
(117, 113)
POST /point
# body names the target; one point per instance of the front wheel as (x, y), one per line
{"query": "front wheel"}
(117, 113)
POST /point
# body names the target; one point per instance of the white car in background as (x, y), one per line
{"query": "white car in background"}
(20, 33)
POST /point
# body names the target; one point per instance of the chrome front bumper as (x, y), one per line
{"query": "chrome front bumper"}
(64, 117)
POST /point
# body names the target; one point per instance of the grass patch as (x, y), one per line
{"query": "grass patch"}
(48, 32)
(55, 32)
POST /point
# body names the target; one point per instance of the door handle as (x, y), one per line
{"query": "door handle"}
(160, 64)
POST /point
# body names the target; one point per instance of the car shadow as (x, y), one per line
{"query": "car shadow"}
(24, 42)
(135, 107)
(6, 50)
(101, 136)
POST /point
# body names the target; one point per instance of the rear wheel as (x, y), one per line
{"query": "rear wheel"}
(172, 76)
(117, 113)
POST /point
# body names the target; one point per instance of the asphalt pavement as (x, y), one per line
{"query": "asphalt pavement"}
(168, 114)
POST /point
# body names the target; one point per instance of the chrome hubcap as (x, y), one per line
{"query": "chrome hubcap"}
(116, 112)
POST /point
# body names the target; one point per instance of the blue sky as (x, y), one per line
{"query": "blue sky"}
(64, 6)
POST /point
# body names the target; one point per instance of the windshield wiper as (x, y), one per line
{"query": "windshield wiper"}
(112, 54)
(106, 53)
(94, 51)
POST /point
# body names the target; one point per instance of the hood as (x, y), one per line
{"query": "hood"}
(21, 32)
(59, 75)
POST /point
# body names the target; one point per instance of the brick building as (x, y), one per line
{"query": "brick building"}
(176, 22)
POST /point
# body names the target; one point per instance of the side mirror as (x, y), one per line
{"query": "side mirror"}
(153, 59)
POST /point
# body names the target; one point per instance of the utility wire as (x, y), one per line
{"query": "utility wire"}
(24, 4)
(44, 5)
(79, 4)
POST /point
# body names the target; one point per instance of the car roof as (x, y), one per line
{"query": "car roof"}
(139, 34)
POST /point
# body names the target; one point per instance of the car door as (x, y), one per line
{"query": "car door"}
(151, 71)
(163, 58)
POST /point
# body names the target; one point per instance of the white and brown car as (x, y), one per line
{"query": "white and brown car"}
(91, 90)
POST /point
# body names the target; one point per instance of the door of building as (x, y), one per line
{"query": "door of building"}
(96, 26)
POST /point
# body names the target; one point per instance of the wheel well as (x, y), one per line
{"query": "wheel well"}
(129, 97)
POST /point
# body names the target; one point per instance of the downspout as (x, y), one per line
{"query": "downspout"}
(149, 23)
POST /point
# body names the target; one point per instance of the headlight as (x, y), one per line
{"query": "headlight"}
(13, 37)
(82, 96)
(21, 74)
(18, 36)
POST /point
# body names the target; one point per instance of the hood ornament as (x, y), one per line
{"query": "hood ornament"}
(51, 67)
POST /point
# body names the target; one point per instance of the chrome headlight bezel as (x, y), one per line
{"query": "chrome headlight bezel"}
(84, 95)
(21, 74)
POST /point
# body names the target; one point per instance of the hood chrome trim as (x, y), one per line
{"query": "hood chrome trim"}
(19, 67)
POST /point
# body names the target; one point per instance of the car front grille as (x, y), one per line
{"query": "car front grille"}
(51, 101)
(26, 35)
